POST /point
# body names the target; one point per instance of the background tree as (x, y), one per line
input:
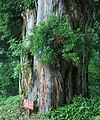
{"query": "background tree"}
(10, 20)
(94, 69)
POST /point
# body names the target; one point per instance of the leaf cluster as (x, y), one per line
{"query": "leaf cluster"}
(55, 39)
(80, 109)
(10, 21)
(27, 4)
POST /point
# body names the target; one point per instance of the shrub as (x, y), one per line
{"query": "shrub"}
(80, 109)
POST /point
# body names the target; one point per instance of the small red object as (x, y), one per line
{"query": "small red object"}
(28, 103)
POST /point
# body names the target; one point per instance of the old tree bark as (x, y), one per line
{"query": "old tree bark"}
(53, 85)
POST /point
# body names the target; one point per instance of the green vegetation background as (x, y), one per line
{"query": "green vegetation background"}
(10, 103)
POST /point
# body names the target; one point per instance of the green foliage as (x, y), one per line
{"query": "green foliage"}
(16, 47)
(47, 39)
(94, 71)
(10, 28)
(94, 66)
(94, 74)
(9, 17)
(94, 90)
(55, 39)
(97, 10)
(9, 108)
(27, 4)
(80, 109)
(50, 39)
(8, 83)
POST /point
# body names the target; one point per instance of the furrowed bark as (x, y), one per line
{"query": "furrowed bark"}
(55, 85)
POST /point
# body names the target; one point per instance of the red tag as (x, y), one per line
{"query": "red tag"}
(28, 103)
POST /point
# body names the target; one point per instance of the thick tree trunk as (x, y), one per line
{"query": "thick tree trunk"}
(54, 85)
(51, 87)
(80, 14)
(26, 60)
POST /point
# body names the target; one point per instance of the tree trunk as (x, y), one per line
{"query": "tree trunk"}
(55, 85)
(26, 60)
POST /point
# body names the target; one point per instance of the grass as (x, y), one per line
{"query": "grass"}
(80, 109)
(9, 108)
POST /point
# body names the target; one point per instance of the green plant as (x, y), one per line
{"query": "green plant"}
(9, 22)
(9, 108)
(50, 38)
(27, 4)
(80, 109)
(55, 39)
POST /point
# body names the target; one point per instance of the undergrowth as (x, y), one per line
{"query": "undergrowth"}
(80, 109)
(9, 108)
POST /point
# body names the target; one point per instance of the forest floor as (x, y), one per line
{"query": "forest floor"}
(80, 109)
